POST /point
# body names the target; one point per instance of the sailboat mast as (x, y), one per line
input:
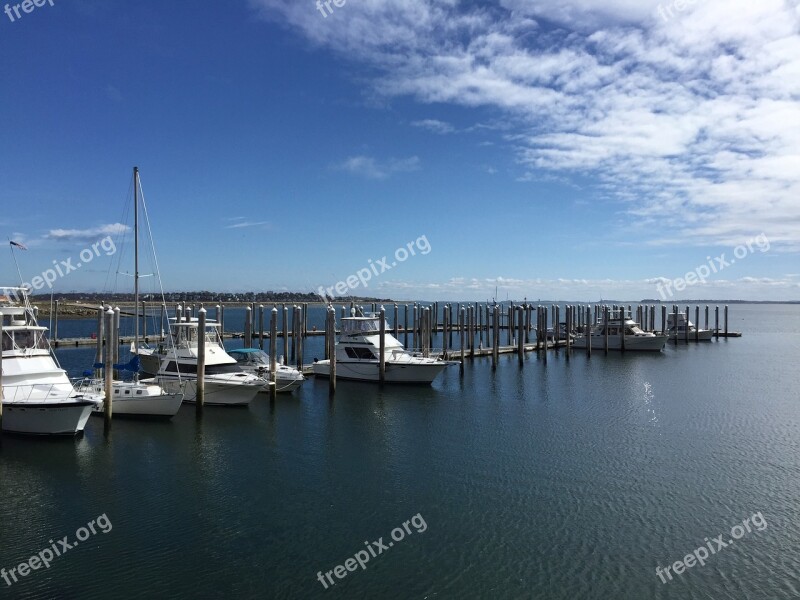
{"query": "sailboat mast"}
(136, 255)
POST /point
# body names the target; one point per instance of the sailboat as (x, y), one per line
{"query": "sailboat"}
(135, 398)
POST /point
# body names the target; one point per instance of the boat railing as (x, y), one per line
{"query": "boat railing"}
(420, 353)
(33, 392)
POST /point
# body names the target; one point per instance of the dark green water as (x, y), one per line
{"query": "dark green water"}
(567, 480)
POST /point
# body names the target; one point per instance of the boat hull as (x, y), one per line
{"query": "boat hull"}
(632, 343)
(218, 392)
(46, 418)
(165, 406)
(420, 373)
(286, 385)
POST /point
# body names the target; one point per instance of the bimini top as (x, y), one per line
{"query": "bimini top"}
(245, 351)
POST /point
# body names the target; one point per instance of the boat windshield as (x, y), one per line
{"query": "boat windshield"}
(362, 325)
(24, 339)
(186, 337)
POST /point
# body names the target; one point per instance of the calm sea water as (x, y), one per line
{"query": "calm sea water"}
(574, 479)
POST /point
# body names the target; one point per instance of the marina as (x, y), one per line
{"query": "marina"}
(596, 443)
(412, 300)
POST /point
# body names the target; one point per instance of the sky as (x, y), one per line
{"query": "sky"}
(448, 150)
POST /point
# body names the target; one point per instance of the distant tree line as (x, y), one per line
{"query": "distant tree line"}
(202, 296)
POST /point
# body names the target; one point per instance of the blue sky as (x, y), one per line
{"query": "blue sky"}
(571, 150)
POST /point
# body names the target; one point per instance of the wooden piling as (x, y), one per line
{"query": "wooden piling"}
(495, 318)
(696, 323)
(332, 351)
(261, 326)
(293, 350)
(726, 321)
(588, 332)
(675, 321)
(273, 350)
(461, 320)
(201, 361)
(382, 347)
(445, 327)
(544, 331)
(109, 371)
(285, 330)
(521, 335)
(686, 328)
(405, 327)
(248, 324)
(414, 336)
(98, 354)
(116, 338)
(716, 323)
(605, 327)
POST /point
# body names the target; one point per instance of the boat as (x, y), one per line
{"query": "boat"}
(226, 384)
(257, 362)
(358, 348)
(38, 397)
(133, 398)
(636, 339)
(702, 335)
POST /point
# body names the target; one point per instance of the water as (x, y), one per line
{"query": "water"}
(571, 480)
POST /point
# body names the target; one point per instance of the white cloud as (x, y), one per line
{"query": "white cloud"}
(372, 168)
(93, 233)
(434, 125)
(692, 122)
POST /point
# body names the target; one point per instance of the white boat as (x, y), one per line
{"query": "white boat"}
(38, 397)
(358, 349)
(226, 384)
(703, 335)
(134, 398)
(636, 339)
(257, 362)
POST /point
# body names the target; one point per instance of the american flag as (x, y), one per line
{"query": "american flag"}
(18, 245)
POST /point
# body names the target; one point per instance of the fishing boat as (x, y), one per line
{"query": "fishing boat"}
(620, 326)
(226, 384)
(257, 362)
(358, 350)
(38, 397)
(702, 335)
(134, 398)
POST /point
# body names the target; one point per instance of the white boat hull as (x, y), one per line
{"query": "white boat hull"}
(632, 343)
(416, 372)
(219, 390)
(286, 385)
(46, 418)
(165, 406)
